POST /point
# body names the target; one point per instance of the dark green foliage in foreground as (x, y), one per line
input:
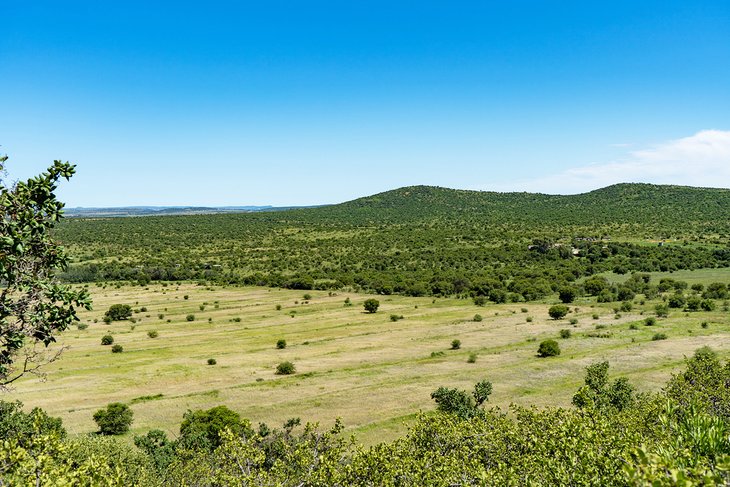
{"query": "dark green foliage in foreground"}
(679, 436)
(34, 308)
(115, 419)
(421, 241)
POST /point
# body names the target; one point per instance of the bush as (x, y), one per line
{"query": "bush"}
(477, 317)
(567, 294)
(565, 333)
(278, 307)
(574, 321)
(307, 297)
(107, 340)
(190, 317)
(472, 358)
(153, 334)
(626, 306)
(115, 419)
(661, 310)
(281, 344)
(480, 300)
(212, 361)
(558, 311)
(118, 312)
(659, 336)
(650, 321)
(82, 326)
(548, 348)
(285, 368)
(371, 305)
(396, 317)
(117, 349)
(455, 344)
(633, 326)
(161, 316)
(186, 297)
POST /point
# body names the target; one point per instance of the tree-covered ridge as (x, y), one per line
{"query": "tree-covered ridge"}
(418, 240)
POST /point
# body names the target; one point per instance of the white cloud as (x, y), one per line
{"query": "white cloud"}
(702, 159)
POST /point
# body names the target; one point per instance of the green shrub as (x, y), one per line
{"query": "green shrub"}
(115, 419)
(107, 340)
(212, 361)
(186, 297)
(82, 326)
(477, 317)
(307, 297)
(661, 310)
(190, 317)
(548, 348)
(480, 300)
(285, 368)
(565, 333)
(472, 358)
(118, 312)
(574, 321)
(455, 344)
(371, 305)
(278, 307)
(161, 316)
(281, 344)
(558, 311)
(650, 321)
(595, 316)
(659, 336)
(396, 317)
(153, 334)
(117, 348)
(201, 307)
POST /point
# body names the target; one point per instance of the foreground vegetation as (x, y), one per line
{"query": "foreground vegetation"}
(613, 437)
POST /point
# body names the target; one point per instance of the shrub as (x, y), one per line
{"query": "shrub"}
(348, 302)
(114, 420)
(567, 294)
(281, 344)
(661, 310)
(278, 307)
(548, 348)
(201, 307)
(118, 312)
(396, 317)
(595, 316)
(212, 361)
(117, 348)
(190, 317)
(307, 297)
(626, 306)
(659, 336)
(480, 300)
(285, 368)
(650, 321)
(574, 321)
(705, 324)
(528, 319)
(707, 305)
(107, 340)
(161, 316)
(82, 326)
(143, 309)
(524, 310)
(558, 311)
(633, 326)
(455, 344)
(153, 334)
(186, 297)
(477, 317)
(565, 333)
(472, 358)
(371, 305)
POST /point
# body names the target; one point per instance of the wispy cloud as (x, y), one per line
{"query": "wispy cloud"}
(702, 159)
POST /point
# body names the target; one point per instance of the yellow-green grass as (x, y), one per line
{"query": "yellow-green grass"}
(364, 368)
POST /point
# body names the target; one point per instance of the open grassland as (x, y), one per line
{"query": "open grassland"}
(372, 372)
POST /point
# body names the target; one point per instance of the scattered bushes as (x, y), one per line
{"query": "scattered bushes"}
(548, 348)
(118, 312)
(117, 348)
(285, 368)
(558, 311)
(107, 340)
(371, 305)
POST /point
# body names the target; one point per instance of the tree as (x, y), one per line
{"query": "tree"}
(115, 419)
(202, 428)
(558, 311)
(548, 348)
(371, 305)
(567, 294)
(34, 308)
(118, 312)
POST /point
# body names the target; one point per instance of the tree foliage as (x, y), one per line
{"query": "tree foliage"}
(34, 308)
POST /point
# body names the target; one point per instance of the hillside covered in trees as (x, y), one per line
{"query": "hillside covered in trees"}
(418, 241)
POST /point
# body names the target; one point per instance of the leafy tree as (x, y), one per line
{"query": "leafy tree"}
(285, 368)
(202, 429)
(115, 419)
(567, 294)
(558, 311)
(548, 348)
(599, 394)
(34, 308)
(107, 340)
(118, 312)
(371, 305)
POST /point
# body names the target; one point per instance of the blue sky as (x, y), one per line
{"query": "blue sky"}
(294, 103)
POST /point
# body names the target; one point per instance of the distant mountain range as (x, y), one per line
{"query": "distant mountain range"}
(81, 212)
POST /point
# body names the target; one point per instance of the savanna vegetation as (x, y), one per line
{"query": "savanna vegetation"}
(585, 382)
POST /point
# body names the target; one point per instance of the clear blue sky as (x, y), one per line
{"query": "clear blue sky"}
(232, 103)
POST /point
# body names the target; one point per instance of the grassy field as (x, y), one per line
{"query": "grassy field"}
(372, 372)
